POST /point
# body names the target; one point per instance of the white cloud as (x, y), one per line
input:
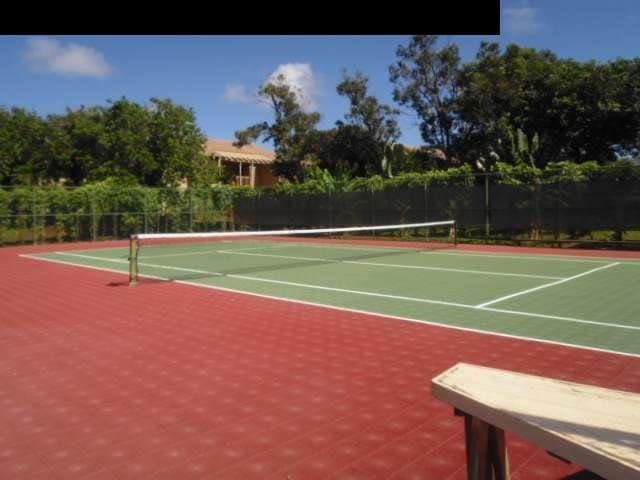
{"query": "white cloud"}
(298, 76)
(301, 79)
(51, 56)
(238, 94)
(522, 19)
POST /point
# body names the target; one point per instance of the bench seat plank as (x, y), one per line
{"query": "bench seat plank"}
(594, 427)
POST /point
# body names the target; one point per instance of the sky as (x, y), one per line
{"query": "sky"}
(218, 76)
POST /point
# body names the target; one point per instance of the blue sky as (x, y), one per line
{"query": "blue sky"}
(218, 75)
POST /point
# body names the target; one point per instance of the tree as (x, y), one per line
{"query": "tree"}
(289, 131)
(486, 91)
(22, 141)
(6, 159)
(345, 150)
(375, 120)
(176, 144)
(127, 134)
(76, 143)
(425, 79)
(365, 111)
(612, 129)
(157, 144)
(529, 106)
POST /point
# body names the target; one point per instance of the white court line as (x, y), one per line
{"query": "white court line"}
(144, 264)
(462, 253)
(353, 310)
(551, 257)
(552, 317)
(186, 254)
(379, 295)
(206, 252)
(393, 265)
(91, 257)
(356, 292)
(266, 280)
(314, 259)
(406, 319)
(436, 302)
(546, 285)
(288, 245)
(354, 262)
(270, 246)
(47, 259)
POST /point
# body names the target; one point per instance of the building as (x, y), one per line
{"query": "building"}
(249, 165)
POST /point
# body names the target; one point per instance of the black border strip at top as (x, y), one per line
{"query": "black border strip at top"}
(438, 17)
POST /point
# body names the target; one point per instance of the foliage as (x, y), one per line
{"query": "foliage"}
(346, 149)
(396, 159)
(520, 174)
(110, 209)
(566, 172)
(536, 117)
(425, 80)
(530, 106)
(176, 144)
(156, 145)
(76, 144)
(321, 181)
(289, 130)
(206, 173)
(365, 111)
(22, 142)
(373, 123)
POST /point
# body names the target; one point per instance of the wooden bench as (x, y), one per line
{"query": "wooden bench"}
(594, 427)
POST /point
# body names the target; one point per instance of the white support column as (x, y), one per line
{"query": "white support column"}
(252, 175)
(240, 173)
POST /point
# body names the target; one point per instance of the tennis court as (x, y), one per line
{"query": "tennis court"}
(167, 379)
(573, 300)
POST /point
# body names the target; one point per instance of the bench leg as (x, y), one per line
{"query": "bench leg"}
(487, 457)
(498, 453)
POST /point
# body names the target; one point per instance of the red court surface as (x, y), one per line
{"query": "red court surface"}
(99, 380)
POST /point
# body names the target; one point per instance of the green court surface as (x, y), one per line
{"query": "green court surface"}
(589, 302)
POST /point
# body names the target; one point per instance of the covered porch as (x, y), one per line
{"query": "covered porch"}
(249, 165)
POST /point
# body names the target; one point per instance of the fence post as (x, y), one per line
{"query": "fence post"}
(426, 202)
(557, 233)
(372, 201)
(146, 214)
(190, 209)
(33, 217)
(487, 205)
(94, 220)
(426, 209)
(330, 209)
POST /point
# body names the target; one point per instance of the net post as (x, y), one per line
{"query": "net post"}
(134, 246)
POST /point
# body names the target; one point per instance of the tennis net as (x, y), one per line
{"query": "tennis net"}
(183, 255)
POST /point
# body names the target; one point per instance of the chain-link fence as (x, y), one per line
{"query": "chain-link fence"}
(39, 215)
(559, 213)
(596, 213)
